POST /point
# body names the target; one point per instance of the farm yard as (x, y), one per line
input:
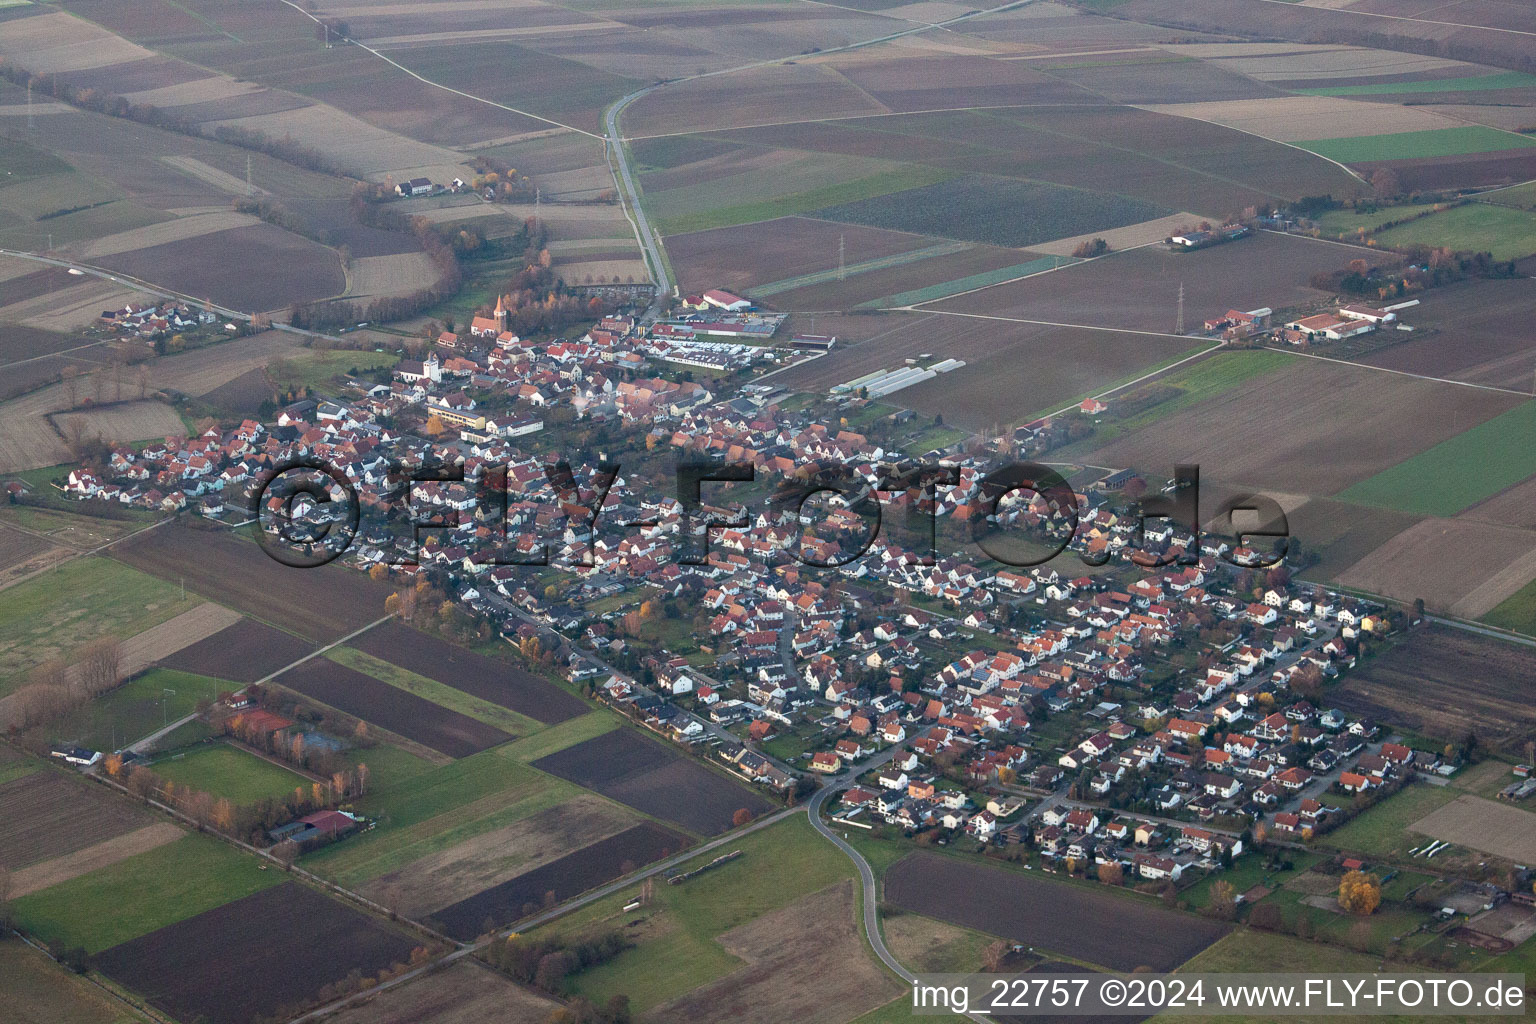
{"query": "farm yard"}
(402, 713)
(566, 876)
(255, 957)
(1096, 927)
(318, 604)
(1446, 683)
(490, 679)
(653, 779)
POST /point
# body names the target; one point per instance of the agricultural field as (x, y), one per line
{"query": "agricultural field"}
(134, 710)
(1485, 825)
(1458, 566)
(57, 613)
(1014, 372)
(430, 689)
(243, 652)
(1385, 830)
(39, 991)
(1139, 289)
(22, 554)
(1118, 932)
(1265, 433)
(464, 993)
(1461, 332)
(1476, 227)
(398, 711)
(567, 876)
(142, 894)
(49, 815)
(490, 679)
(317, 604)
(468, 871)
(1445, 683)
(229, 772)
(654, 779)
(255, 957)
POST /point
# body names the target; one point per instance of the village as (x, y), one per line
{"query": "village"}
(1146, 724)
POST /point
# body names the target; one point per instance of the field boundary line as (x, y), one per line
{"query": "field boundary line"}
(1076, 262)
(1405, 373)
(1205, 120)
(850, 117)
(1042, 323)
(1421, 21)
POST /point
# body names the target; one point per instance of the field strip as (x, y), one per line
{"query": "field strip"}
(407, 41)
(881, 263)
(1156, 108)
(1422, 21)
(970, 283)
(109, 851)
(848, 117)
(1405, 373)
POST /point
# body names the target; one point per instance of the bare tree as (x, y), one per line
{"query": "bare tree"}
(69, 377)
(141, 379)
(101, 667)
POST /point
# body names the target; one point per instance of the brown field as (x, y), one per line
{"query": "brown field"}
(21, 553)
(654, 779)
(1513, 507)
(1157, 81)
(58, 42)
(1013, 372)
(496, 681)
(487, 860)
(242, 397)
(399, 274)
(255, 957)
(1445, 683)
(764, 95)
(909, 82)
(1103, 928)
(292, 269)
(1462, 332)
(48, 814)
(1139, 290)
(402, 713)
(318, 604)
(1296, 118)
(1339, 533)
(1265, 433)
(1446, 172)
(110, 851)
(464, 993)
(179, 230)
(121, 423)
(737, 258)
(160, 642)
(1499, 829)
(567, 876)
(775, 950)
(1458, 566)
(243, 652)
(1129, 237)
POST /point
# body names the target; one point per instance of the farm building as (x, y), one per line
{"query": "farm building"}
(1328, 326)
(717, 299)
(414, 187)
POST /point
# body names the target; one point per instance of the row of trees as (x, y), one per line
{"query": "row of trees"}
(55, 687)
(547, 962)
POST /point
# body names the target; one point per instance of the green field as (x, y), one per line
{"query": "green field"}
(675, 949)
(719, 204)
(996, 210)
(1413, 145)
(226, 771)
(1516, 612)
(57, 613)
(39, 991)
(1521, 196)
(142, 894)
(934, 292)
(1505, 233)
(436, 809)
(1457, 473)
(20, 162)
(136, 709)
(1341, 223)
(557, 737)
(316, 369)
(436, 692)
(1472, 83)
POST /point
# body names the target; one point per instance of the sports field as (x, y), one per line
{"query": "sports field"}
(229, 772)
(1457, 473)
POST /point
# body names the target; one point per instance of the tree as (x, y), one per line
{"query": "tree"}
(1359, 893)
(1223, 903)
(1386, 183)
(1111, 873)
(994, 956)
(1266, 916)
(741, 817)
